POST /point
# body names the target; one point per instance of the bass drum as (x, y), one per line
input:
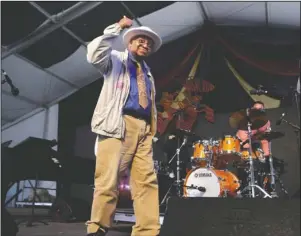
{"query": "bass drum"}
(215, 183)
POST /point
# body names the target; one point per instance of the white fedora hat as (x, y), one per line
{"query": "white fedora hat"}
(146, 31)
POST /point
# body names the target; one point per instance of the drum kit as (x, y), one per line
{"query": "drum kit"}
(223, 168)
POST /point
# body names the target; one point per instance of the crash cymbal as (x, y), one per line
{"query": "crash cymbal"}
(268, 135)
(239, 120)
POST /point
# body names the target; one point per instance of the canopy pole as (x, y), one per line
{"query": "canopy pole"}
(52, 19)
(63, 18)
(131, 13)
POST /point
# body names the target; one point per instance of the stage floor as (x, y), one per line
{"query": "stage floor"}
(69, 229)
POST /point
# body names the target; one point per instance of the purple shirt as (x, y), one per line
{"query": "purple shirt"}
(132, 103)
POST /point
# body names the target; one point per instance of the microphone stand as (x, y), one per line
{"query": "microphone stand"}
(297, 132)
(178, 180)
(8, 80)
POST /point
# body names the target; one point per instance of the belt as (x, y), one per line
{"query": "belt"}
(137, 115)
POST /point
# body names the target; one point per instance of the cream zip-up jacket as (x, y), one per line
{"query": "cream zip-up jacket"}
(107, 119)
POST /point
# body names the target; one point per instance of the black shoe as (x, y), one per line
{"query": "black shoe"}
(98, 233)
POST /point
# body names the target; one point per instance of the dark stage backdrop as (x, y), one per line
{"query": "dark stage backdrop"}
(284, 148)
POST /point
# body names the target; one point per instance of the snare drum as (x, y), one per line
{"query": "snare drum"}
(258, 154)
(216, 183)
(229, 145)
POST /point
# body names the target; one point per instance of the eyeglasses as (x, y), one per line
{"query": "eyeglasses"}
(145, 42)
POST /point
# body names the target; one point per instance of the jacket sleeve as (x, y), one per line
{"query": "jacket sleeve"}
(99, 51)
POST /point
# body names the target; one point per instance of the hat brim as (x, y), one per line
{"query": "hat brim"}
(136, 32)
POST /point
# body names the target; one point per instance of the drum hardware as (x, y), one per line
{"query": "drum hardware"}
(278, 179)
(177, 154)
(265, 183)
(162, 169)
(178, 182)
(297, 132)
(256, 155)
(220, 178)
(226, 193)
(200, 188)
(203, 153)
(252, 183)
(272, 172)
(296, 129)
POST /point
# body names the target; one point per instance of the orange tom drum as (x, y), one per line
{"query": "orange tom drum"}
(203, 152)
(229, 145)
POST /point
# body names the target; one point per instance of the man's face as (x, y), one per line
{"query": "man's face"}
(141, 46)
(258, 106)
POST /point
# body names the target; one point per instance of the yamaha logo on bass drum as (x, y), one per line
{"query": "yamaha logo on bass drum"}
(198, 175)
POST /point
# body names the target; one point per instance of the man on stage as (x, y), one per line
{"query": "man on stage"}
(243, 134)
(125, 121)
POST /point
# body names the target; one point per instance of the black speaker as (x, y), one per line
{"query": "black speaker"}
(231, 217)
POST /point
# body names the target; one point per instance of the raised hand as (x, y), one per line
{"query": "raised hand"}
(125, 22)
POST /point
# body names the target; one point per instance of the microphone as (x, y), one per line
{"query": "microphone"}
(201, 189)
(15, 91)
(258, 91)
(279, 121)
(185, 140)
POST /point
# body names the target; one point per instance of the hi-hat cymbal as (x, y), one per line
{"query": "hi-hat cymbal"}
(268, 135)
(239, 120)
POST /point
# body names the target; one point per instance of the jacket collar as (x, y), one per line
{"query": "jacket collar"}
(126, 56)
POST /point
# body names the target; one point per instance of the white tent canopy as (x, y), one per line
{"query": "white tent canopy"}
(40, 87)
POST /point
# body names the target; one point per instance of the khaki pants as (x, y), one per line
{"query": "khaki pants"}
(114, 157)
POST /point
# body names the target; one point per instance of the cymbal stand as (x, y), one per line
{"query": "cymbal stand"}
(272, 171)
(252, 184)
(277, 178)
(251, 163)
